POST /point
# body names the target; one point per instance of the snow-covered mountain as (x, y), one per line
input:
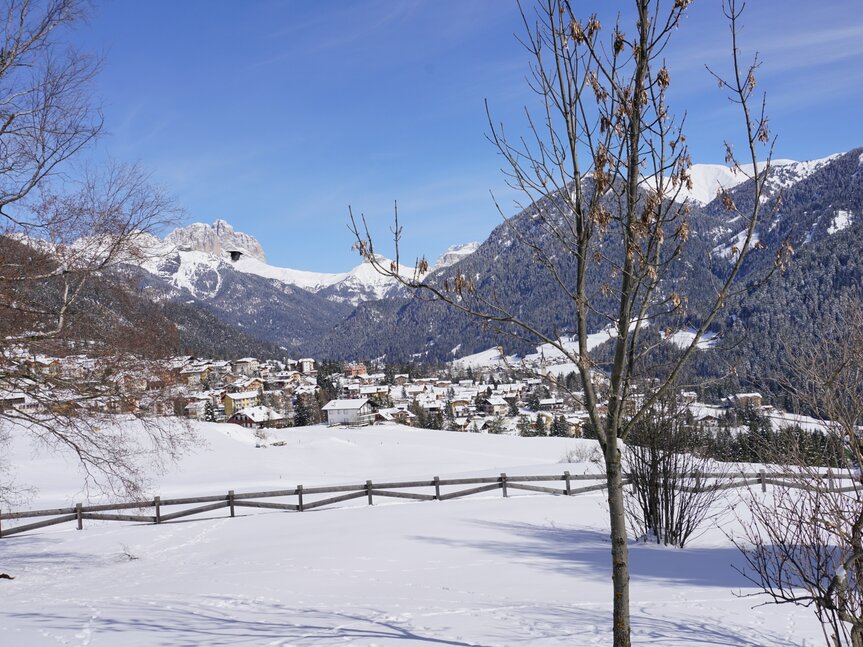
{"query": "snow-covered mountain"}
(362, 283)
(818, 215)
(709, 179)
(359, 313)
(216, 239)
(454, 254)
(802, 203)
(197, 257)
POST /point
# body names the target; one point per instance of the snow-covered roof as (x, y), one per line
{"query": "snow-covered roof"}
(193, 369)
(244, 395)
(393, 413)
(344, 404)
(260, 413)
(244, 380)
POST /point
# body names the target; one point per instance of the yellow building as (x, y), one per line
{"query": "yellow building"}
(235, 401)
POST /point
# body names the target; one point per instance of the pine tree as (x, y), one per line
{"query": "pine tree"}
(540, 425)
(422, 418)
(495, 425)
(513, 407)
(302, 415)
(435, 420)
(558, 427)
(524, 427)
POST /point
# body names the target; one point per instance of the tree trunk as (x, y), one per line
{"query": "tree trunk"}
(619, 546)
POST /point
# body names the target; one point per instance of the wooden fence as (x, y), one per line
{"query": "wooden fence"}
(304, 499)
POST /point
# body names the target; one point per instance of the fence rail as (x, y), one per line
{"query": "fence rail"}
(388, 489)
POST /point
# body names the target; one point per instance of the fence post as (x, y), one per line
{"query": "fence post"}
(300, 498)
(369, 490)
(231, 501)
(437, 488)
(829, 478)
(568, 484)
(79, 513)
(762, 479)
(503, 483)
(698, 480)
(157, 503)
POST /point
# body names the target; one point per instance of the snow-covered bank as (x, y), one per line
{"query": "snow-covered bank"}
(227, 458)
(478, 571)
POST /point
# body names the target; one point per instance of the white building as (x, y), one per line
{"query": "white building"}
(246, 366)
(349, 412)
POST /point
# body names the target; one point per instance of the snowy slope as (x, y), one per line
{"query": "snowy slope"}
(683, 338)
(709, 179)
(530, 569)
(787, 173)
(490, 358)
(454, 254)
(545, 353)
(312, 281)
(841, 220)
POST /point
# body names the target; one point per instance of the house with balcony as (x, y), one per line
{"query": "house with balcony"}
(234, 402)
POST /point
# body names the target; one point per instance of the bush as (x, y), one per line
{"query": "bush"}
(667, 501)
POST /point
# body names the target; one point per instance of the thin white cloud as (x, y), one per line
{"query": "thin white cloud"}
(784, 43)
(334, 31)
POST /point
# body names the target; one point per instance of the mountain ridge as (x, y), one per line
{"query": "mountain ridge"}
(200, 249)
(362, 315)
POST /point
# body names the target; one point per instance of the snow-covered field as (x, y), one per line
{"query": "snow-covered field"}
(529, 569)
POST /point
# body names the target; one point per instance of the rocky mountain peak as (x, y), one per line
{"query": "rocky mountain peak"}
(216, 239)
(454, 254)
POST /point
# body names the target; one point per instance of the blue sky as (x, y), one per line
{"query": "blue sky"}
(275, 115)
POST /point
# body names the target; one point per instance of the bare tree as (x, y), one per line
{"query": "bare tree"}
(602, 166)
(804, 545)
(74, 339)
(670, 497)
